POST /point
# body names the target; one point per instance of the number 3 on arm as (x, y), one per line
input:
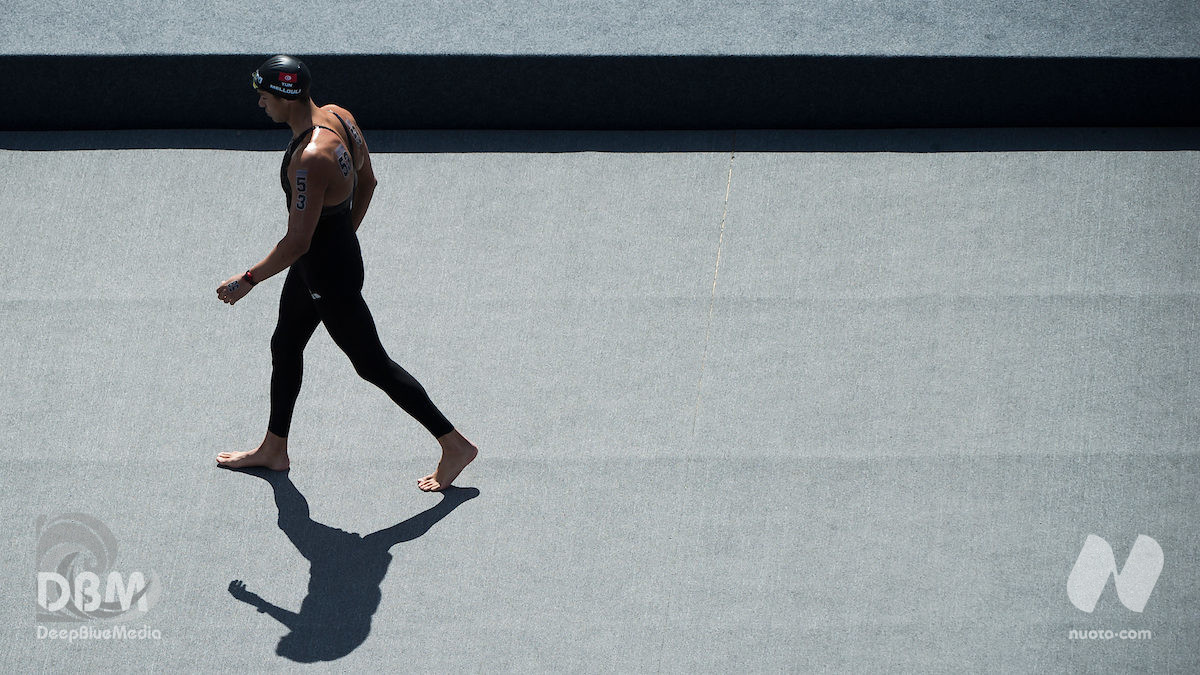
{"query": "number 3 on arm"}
(301, 187)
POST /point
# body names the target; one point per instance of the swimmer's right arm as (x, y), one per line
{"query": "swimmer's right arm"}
(366, 175)
(363, 194)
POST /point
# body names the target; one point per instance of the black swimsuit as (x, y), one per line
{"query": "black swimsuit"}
(287, 161)
(325, 286)
(333, 263)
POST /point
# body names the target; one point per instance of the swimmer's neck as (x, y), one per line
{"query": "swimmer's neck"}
(300, 118)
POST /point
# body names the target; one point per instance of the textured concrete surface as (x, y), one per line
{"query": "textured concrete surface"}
(1157, 28)
(764, 401)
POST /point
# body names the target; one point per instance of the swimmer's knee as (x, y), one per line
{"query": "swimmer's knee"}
(370, 372)
(284, 346)
(377, 372)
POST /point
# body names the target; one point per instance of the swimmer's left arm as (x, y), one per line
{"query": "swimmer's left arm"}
(310, 176)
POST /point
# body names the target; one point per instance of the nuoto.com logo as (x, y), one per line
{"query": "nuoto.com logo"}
(1096, 564)
(77, 580)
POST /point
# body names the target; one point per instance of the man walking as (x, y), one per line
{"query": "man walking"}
(328, 183)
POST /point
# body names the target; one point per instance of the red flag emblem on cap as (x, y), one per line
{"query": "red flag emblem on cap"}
(290, 78)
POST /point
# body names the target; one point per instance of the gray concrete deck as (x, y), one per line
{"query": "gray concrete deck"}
(772, 401)
(1151, 28)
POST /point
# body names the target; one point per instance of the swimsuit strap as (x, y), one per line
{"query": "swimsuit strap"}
(287, 159)
(349, 136)
(350, 145)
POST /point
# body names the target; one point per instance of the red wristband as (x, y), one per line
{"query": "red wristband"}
(249, 278)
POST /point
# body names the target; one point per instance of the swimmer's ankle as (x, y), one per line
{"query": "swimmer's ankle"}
(274, 442)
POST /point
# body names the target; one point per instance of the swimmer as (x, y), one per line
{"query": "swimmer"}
(328, 183)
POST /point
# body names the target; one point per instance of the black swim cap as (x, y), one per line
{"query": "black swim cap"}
(284, 76)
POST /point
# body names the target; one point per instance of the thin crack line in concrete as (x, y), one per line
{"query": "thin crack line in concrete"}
(686, 474)
(712, 300)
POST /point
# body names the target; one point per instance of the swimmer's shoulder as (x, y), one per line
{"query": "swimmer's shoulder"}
(356, 136)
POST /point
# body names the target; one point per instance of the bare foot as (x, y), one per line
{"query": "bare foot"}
(457, 453)
(272, 454)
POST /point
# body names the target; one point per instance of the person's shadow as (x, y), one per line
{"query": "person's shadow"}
(345, 573)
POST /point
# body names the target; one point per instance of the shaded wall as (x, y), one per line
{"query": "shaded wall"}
(614, 92)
